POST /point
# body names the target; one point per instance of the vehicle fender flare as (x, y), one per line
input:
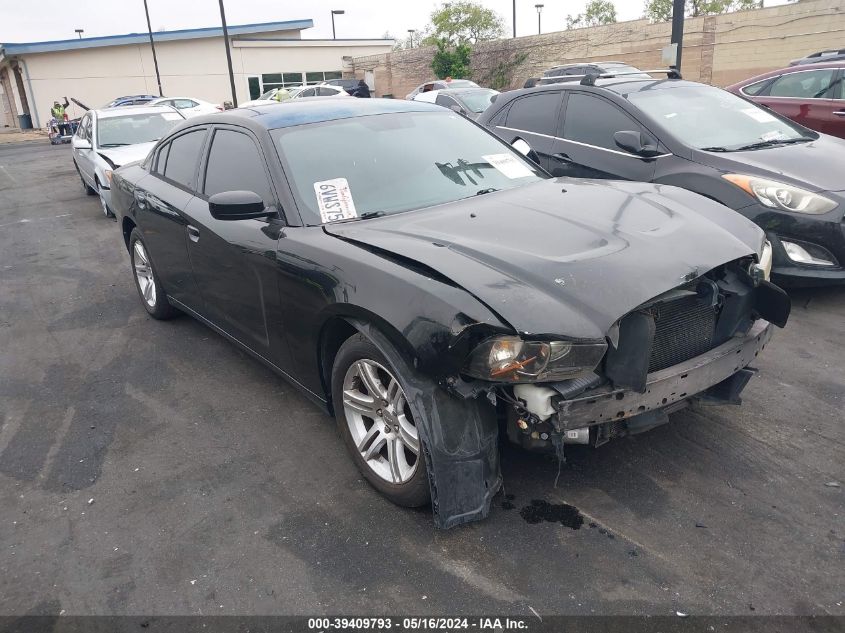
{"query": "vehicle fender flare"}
(460, 438)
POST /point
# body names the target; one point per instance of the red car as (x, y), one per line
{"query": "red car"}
(812, 94)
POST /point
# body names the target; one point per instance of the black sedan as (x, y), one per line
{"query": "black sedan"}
(425, 296)
(786, 178)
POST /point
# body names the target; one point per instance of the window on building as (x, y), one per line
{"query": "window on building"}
(287, 80)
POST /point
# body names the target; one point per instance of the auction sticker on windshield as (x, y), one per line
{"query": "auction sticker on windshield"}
(758, 115)
(335, 200)
(508, 165)
(171, 116)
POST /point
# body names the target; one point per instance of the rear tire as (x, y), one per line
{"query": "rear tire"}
(153, 297)
(376, 423)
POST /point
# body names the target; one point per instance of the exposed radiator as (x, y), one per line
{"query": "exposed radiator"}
(684, 328)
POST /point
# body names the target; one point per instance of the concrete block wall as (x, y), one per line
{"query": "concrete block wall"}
(717, 49)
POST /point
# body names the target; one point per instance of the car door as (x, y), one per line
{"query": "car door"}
(234, 260)
(161, 199)
(805, 96)
(584, 146)
(84, 156)
(533, 119)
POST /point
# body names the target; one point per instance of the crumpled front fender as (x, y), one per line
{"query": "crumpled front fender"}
(459, 437)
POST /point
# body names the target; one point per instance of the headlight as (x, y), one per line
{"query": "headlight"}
(778, 195)
(510, 359)
(107, 173)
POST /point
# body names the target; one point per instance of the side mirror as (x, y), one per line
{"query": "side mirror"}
(633, 142)
(522, 147)
(237, 205)
(80, 143)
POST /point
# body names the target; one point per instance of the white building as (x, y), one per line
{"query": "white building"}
(191, 63)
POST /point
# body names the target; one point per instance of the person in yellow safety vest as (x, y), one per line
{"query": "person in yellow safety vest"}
(281, 95)
(58, 113)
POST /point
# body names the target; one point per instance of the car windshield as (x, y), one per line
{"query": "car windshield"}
(478, 100)
(710, 118)
(131, 129)
(396, 162)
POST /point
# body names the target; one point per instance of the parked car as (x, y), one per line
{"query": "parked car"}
(441, 84)
(269, 96)
(129, 100)
(820, 56)
(574, 71)
(321, 91)
(188, 106)
(418, 295)
(106, 139)
(470, 102)
(349, 85)
(812, 95)
(785, 177)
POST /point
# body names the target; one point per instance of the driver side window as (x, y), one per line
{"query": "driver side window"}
(593, 121)
(235, 164)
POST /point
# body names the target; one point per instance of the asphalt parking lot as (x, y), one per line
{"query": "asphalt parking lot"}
(151, 467)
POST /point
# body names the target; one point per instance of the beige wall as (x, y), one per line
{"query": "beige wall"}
(188, 68)
(717, 49)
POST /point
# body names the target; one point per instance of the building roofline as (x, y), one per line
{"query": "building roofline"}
(18, 48)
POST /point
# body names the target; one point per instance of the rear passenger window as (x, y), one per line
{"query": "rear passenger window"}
(235, 164)
(182, 158)
(535, 113)
(594, 121)
(809, 84)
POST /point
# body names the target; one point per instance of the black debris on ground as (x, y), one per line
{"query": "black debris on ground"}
(563, 513)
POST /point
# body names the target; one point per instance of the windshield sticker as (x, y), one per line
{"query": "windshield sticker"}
(772, 136)
(508, 165)
(758, 115)
(335, 200)
(171, 116)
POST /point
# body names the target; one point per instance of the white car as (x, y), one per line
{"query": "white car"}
(441, 84)
(188, 105)
(469, 102)
(321, 91)
(268, 96)
(109, 138)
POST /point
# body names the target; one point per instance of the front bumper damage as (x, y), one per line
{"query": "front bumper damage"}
(703, 375)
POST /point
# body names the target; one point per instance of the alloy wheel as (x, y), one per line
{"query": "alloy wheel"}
(144, 274)
(380, 421)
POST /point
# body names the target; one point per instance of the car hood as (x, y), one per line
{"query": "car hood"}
(564, 257)
(127, 154)
(817, 166)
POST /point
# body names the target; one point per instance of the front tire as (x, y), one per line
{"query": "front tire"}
(153, 296)
(105, 206)
(377, 424)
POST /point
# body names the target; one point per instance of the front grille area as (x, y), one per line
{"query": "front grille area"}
(683, 329)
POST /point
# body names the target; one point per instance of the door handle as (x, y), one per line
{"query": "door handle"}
(564, 158)
(193, 233)
(839, 112)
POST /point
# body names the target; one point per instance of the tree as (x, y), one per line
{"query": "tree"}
(463, 22)
(451, 61)
(596, 12)
(661, 10)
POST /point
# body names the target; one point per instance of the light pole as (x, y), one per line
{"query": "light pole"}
(79, 32)
(514, 18)
(153, 47)
(228, 55)
(334, 13)
(539, 8)
(411, 36)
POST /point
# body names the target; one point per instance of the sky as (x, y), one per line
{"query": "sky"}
(57, 19)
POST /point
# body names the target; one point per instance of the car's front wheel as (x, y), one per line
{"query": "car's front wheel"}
(377, 423)
(103, 204)
(153, 296)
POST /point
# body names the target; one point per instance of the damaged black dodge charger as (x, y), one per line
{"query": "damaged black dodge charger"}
(432, 288)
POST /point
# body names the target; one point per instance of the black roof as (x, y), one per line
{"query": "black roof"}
(620, 85)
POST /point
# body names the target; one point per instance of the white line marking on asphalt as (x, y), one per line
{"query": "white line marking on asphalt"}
(10, 176)
(26, 220)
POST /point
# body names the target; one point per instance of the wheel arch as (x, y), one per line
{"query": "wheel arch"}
(127, 225)
(340, 326)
